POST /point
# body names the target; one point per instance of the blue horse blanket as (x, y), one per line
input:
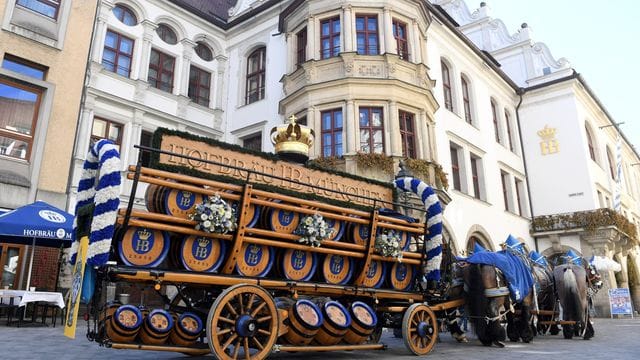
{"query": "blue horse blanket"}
(516, 272)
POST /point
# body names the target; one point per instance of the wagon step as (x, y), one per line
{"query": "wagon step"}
(291, 348)
(557, 322)
(194, 351)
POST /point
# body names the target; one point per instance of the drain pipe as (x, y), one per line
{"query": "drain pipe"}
(520, 93)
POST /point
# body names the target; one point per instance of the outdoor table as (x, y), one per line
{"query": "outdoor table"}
(27, 297)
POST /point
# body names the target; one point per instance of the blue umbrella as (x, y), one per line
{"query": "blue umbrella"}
(39, 223)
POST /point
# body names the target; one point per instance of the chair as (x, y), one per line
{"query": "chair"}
(9, 307)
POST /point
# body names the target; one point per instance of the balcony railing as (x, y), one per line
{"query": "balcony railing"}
(587, 220)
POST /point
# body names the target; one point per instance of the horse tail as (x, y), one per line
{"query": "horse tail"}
(476, 300)
(572, 302)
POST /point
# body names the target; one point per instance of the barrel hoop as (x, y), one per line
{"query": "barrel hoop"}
(344, 311)
(358, 332)
(306, 336)
(119, 331)
(154, 336)
(304, 323)
(330, 332)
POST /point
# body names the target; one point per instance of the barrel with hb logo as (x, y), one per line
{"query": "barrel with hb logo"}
(199, 253)
(363, 321)
(375, 276)
(298, 265)
(253, 214)
(280, 220)
(401, 276)
(337, 226)
(359, 233)
(336, 323)
(156, 327)
(337, 269)
(305, 319)
(143, 247)
(186, 330)
(255, 260)
(173, 202)
(122, 322)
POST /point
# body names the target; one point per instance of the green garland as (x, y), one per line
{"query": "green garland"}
(588, 220)
(421, 167)
(375, 161)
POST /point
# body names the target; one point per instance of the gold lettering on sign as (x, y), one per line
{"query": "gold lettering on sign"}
(286, 175)
(548, 144)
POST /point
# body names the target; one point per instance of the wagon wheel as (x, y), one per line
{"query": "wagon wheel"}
(419, 329)
(243, 319)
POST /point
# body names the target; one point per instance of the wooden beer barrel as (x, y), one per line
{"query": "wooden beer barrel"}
(122, 322)
(376, 275)
(152, 197)
(359, 233)
(181, 203)
(282, 221)
(156, 327)
(298, 265)
(255, 260)
(401, 276)
(337, 269)
(199, 253)
(186, 330)
(253, 214)
(336, 323)
(305, 319)
(143, 247)
(363, 321)
(337, 226)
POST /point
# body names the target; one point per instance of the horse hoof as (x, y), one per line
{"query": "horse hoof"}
(499, 344)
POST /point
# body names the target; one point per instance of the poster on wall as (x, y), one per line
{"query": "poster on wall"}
(620, 302)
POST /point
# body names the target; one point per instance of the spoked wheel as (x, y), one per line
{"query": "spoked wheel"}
(419, 329)
(242, 323)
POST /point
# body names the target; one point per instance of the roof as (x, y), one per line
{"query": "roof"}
(216, 11)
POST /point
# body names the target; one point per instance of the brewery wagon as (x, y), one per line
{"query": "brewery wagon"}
(241, 256)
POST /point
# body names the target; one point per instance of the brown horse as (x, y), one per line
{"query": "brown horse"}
(488, 303)
(572, 282)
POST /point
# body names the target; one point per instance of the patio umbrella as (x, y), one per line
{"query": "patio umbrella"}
(38, 223)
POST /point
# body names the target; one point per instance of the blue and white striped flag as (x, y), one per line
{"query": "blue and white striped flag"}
(618, 187)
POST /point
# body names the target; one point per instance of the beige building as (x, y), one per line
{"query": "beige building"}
(44, 46)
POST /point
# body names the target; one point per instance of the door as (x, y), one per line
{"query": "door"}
(11, 257)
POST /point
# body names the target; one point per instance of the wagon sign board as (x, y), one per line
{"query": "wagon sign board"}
(286, 175)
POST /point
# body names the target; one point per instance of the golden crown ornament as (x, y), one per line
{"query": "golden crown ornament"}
(292, 140)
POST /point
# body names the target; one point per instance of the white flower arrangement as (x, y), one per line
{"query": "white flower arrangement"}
(388, 244)
(313, 230)
(214, 215)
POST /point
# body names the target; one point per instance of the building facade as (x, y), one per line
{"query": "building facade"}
(43, 50)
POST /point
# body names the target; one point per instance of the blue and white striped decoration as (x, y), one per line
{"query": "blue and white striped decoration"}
(618, 188)
(433, 245)
(103, 160)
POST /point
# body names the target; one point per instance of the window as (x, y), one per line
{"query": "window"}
(199, 86)
(167, 34)
(118, 51)
(47, 8)
(465, 101)
(125, 15)
(19, 106)
(519, 197)
(302, 120)
(612, 164)
(24, 67)
(592, 151)
(504, 177)
(475, 179)
(446, 86)
(367, 34)
(400, 34)
(496, 126)
(301, 38)
(331, 132)
(106, 129)
(507, 121)
(253, 142)
(329, 38)
(255, 75)
(455, 167)
(161, 70)
(371, 130)
(408, 134)
(203, 51)
(145, 140)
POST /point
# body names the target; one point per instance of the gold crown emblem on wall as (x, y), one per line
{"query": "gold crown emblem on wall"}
(547, 133)
(144, 234)
(203, 242)
(292, 139)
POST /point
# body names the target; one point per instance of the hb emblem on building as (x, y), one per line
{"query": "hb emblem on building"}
(549, 144)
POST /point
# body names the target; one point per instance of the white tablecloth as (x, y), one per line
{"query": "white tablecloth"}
(26, 297)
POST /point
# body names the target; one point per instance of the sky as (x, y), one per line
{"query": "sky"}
(599, 38)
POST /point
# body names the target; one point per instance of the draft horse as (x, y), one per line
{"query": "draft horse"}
(572, 283)
(489, 303)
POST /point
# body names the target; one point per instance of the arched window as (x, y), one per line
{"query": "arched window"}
(167, 34)
(125, 15)
(466, 100)
(592, 150)
(446, 86)
(255, 75)
(612, 163)
(496, 125)
(507, 121)
(477, 238)
(203, 51)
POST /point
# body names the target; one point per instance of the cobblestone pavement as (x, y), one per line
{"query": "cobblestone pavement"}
(614, 340)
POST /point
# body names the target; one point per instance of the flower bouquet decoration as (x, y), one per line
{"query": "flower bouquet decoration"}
(313, 230)
(388, 244)
(214, 215)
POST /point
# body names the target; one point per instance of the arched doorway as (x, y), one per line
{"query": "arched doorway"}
(478, 238)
